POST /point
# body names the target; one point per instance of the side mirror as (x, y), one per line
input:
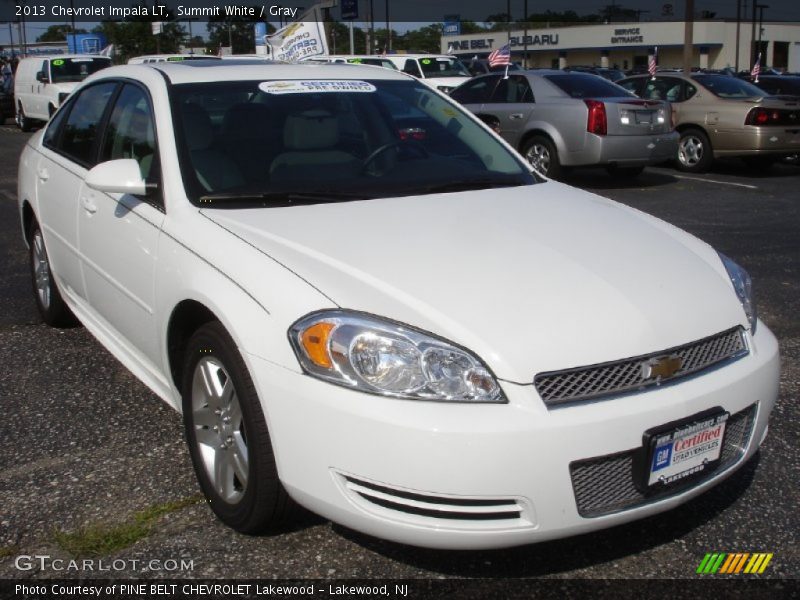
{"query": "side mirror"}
(41, 77)
(121, 176)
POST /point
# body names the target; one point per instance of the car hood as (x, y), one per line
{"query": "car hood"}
(450, 82)
(531, 279)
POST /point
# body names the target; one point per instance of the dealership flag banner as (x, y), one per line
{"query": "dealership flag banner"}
(301, 39)
(756, 69)
(651, 67)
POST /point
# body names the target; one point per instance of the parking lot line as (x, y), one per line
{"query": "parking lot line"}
(744, 185)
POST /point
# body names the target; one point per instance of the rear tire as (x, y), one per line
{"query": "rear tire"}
(695, 154)
(23, 122)
(542, 155)
(51, 305)
(624, 172)
(228, 438)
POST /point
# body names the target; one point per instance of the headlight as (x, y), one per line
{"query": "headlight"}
(387, 358)
(743, 287)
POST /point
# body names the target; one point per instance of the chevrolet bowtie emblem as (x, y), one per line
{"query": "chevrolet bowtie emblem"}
(662, 367)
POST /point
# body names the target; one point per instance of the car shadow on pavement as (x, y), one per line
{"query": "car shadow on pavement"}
(570, 554)
(738, 168)
(599, 179)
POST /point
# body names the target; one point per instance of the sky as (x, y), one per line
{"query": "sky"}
(410, 14)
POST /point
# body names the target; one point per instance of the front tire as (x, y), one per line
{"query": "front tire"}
(51, 305)
(695, 154)
(542, 155)
(228, 438)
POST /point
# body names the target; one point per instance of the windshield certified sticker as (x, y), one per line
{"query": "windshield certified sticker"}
(58, 62)
(315, 86)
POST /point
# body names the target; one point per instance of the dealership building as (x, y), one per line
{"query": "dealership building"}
(630, 45)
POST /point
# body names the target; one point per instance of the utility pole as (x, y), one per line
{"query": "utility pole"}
(388, 46)
(371, 41)
(11, 38)
(738, 30)
(525, 35)
(688, 37)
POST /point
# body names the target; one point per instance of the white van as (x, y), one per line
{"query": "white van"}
(440, 71)
(42, 83)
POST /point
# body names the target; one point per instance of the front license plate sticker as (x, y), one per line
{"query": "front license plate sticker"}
(686, 450)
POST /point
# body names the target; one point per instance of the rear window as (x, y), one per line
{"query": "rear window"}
(76, 69)
(728, 87)
(579, 85)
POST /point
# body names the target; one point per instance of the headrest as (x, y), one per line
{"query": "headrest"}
(246, 121)
(197, 127)
(310, 130)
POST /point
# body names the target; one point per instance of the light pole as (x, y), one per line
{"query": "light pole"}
(761, 8)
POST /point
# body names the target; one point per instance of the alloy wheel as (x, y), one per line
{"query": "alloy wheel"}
(219, 430)
(690, 150)
(539, 158)
(41, 270)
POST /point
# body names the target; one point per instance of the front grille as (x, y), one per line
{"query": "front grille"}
(437, 507)
(605, 484)
(605, 379)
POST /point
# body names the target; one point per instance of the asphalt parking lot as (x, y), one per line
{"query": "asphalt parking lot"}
(85, 448)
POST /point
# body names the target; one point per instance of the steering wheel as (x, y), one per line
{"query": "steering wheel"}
(393, 144)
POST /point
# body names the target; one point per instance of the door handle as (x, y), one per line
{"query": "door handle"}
(43, 174)
(89, 206)
(515, 116)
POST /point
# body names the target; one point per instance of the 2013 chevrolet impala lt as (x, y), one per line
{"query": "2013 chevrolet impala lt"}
(364, 302)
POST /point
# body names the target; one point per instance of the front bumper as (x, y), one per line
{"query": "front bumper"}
(625, 150)
(484, 476)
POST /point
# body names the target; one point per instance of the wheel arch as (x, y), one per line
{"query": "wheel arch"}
(186, 318)
(28, 217)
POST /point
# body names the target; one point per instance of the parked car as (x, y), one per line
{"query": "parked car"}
(42, 83)
(722, 116)
(363, 301)
(355, 59)
(481, 66)
(604, 72)
(441, 72)
(559, 120)
(157, 58)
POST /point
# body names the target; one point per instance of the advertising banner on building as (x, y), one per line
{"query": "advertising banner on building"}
(301, 39)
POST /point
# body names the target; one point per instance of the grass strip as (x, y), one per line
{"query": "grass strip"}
(103, 539)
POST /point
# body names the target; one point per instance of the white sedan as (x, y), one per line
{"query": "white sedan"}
(363, 302)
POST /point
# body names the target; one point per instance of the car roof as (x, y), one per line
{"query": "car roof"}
(199, 71)
(64, 56)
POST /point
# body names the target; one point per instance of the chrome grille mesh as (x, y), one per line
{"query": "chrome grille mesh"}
(583, 383)
(606, 484)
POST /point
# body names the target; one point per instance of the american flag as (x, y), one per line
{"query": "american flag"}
(652, 63)
(501, 56)
(756, 69)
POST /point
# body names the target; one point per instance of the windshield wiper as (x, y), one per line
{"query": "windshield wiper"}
(223, 199)
(472, 184)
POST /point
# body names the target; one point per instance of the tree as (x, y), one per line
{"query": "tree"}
(238, 30)
(425, 39)
(135, 38)
(57, 33)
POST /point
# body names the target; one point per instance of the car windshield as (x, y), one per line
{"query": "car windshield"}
(584, 85)
(75, 69)
(728, 87)
(443, 67)
(296, 141)
(376, 62)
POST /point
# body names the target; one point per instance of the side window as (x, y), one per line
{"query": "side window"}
(412, 68)
(50, 138)
(130, 132)
(476, 91)
(45, 70)
(519, 90)
(663, 88)
(689, 91)
(78, 138)
(633, 85)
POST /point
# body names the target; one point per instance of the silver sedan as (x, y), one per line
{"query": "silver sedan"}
(559, 119)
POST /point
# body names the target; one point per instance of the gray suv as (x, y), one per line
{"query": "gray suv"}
(558, 120)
